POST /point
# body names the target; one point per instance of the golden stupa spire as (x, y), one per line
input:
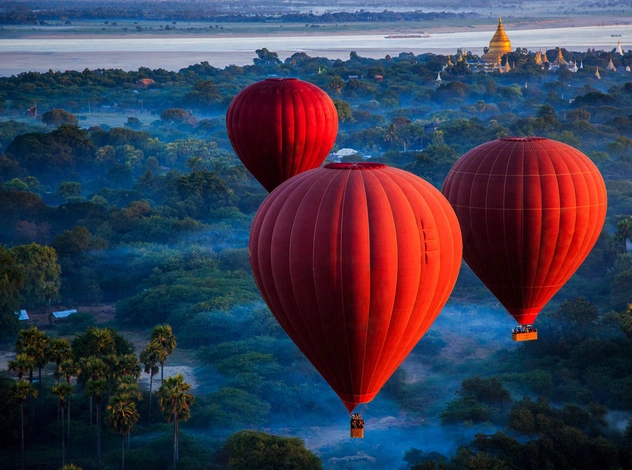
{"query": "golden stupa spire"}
(499, 45)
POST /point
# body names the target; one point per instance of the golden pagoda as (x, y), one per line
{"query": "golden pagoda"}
(538, 57)
(559, 60)
(498, 46)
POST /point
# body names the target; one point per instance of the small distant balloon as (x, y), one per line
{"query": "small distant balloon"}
(355, 261)
(531, 209)
(280, 127)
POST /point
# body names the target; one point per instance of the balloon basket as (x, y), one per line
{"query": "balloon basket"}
(357, 433)
(524, 333)
(357, 426)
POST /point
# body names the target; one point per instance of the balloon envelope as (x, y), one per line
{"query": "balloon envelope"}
(280, 127)
(530, 209)
(355, 261)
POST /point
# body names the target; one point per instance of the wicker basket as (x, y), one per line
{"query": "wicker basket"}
(357, 433)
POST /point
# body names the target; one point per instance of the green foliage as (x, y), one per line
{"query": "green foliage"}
(100, 342)
(344, 110)
(11, 284)
(230, 408)
(480, 400)
(57, 117)
(41, 273)
(162, 232)
(255, 450)
(174, 115)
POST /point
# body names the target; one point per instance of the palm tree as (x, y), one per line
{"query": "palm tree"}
(121, 417)
(102, 340)
(163, 335)
(175, 402)
(128, 365)
(22, 364)
(62, 391)
(20, 391)
(94, 369)
(151, 357)
(69, 369)
(96, 387)
(128, 389)
(34, 343)
(392, 134)
(59, 350)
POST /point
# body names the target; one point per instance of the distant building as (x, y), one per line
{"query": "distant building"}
(63, 315)
(145, 82)
(343, 152)
(22, 315)
(498, 46)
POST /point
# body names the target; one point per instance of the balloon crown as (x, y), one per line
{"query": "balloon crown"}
(524, 139)
(355, 166)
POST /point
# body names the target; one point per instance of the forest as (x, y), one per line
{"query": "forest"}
(120, 194)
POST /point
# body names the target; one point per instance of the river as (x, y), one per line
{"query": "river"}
(173, 53)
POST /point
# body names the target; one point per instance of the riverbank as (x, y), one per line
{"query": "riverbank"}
(176, 51)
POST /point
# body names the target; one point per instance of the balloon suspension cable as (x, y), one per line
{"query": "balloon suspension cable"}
(357, 426)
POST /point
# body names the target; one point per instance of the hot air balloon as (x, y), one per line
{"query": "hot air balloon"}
(280, 127)
(355, 261)
(530, 209)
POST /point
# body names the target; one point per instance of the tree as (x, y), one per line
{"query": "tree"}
(133, 123)
(344, 110)
(121, 417)
(21, 365)
(34, 343)
(624, 231)
(41, 273)
(57, 117)
(62, 391)
(174, 115)
(128, 366)
(626, 322)
(11, 284)
(337, 84)
(175, 402)
(94, 369)
(265, 57)
(20, 391)
(59, 350)
(163, 335)
(151, 357)
(391, 135)
(96, 387)
(69, 189)
(256, 450)
(69, 369)
(97, 341)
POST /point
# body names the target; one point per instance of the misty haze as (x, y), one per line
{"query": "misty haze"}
(228, 227)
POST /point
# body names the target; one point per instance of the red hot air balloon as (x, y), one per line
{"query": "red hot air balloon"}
(281, 127)
(355, 261)
(530, 209)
